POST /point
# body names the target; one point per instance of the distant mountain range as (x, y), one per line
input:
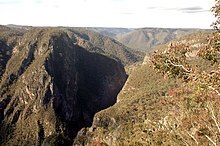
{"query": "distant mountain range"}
(144, 39)
(111, 32)
(140, 39)
(92, 40)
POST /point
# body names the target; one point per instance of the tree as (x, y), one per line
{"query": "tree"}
(216, 11)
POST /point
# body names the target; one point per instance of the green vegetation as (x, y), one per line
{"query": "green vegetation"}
(171, 99)
(54, 80)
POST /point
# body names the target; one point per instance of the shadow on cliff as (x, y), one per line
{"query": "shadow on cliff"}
(57, 89)
(83, 84)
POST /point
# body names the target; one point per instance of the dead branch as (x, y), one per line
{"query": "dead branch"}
(179, 65)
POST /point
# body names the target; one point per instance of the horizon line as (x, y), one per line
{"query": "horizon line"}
(8, 25)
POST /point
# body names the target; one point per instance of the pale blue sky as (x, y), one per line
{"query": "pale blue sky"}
(108, 13)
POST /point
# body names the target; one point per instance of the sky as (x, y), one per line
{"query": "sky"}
(108, 13)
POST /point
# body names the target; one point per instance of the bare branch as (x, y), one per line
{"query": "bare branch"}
(214, 117)
(210, 140)
(210, 87)
(179, 65)
(193, 138)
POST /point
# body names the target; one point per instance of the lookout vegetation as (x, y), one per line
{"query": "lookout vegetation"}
(173, 99)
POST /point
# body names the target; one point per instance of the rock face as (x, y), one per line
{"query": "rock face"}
(125, 122)
(51, 87)
(5, 54)
(94, 41)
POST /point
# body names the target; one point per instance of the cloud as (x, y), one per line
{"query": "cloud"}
(151, 8)
(108, 13)
(195, 9)
(191, 8)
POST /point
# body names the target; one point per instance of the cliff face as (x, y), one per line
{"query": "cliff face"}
(50, 88)
(155, 108)
(5, 54)
(126, 122)
(95, 42)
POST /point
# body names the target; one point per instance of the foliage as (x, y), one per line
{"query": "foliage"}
(197, 97)
(172, 61)
(174, 103)
(211, 51)
(216, 11)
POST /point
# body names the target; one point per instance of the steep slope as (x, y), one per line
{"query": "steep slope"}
(171, 99)
(51, 87)
(106, 45)
(89, 38)
(8, 39)
(111, 32)
(146, 38)
(125, 123)
(5, 54)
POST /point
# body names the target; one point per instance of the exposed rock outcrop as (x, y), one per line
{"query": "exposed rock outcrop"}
(51, 88)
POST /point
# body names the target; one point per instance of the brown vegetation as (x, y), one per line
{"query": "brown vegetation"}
(173, 99)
